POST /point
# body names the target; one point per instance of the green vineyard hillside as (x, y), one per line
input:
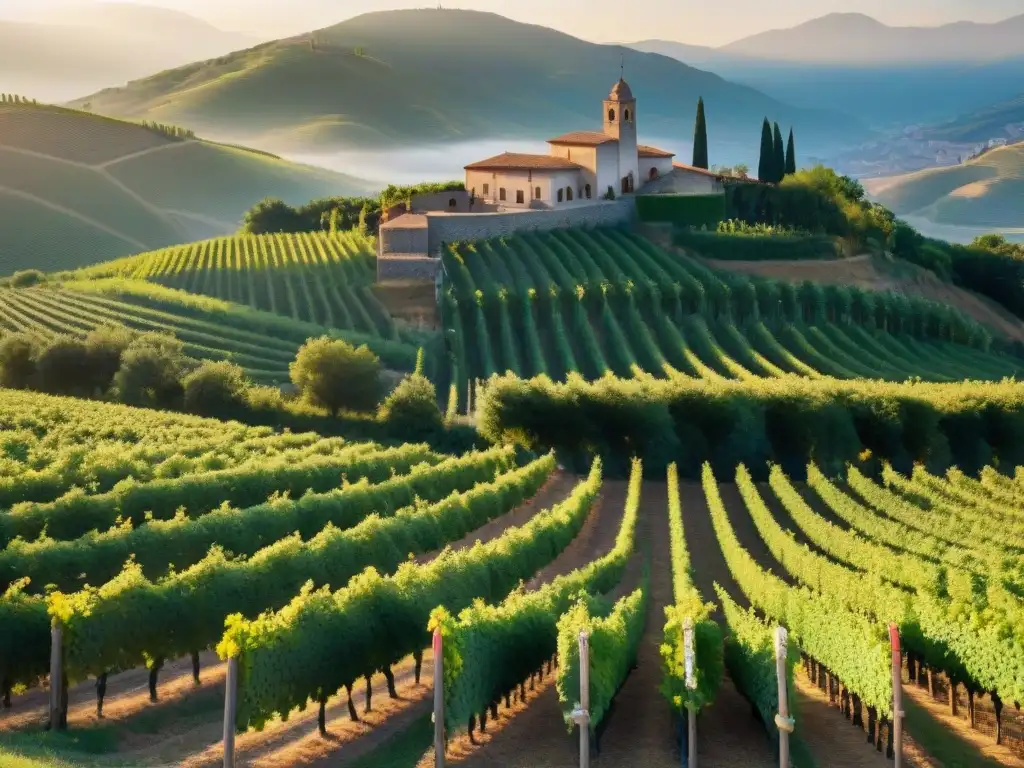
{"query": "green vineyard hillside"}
(310, 277)
(262, 343)
(607, 302)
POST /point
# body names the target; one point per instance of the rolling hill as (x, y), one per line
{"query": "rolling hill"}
(987, 191)
(1004, 120)
(423, 76)
(77, 188)
(61, 51)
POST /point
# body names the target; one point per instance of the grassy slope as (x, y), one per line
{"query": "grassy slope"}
(986, 191)
(982, 124)
(531, 81)
(70, 200)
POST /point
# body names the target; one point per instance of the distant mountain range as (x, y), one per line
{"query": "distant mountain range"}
(886, 76)
(73, 48)
(421, 76)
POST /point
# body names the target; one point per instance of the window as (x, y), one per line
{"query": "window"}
(568, 193)
(536, 193)
(487, 189)
(451, 202)
(586, 189)
(560, 195)
(611, 115)
(626, 116)
(519, 196)
(654, 173)
(501, 193)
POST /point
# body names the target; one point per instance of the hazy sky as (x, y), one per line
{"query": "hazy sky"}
(691, 21)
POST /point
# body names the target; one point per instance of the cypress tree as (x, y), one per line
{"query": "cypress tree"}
(700, 138)
(779, 164)
(765, 170)
(790, 155)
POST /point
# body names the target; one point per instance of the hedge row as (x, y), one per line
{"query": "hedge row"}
(741, 247)
(969, 424)
(682, 210)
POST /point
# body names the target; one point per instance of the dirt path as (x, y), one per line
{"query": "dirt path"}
(533, 734)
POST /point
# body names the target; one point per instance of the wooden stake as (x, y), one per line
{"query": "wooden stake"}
(691, 685)
(230, 710)
(782, 720)
(584, 710)
(438, 700)
(56, 677)
(897, 695)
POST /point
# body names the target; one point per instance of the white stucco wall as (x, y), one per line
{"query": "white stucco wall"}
(627, 151)
(662, 164)
(607, 170)
(548, 181)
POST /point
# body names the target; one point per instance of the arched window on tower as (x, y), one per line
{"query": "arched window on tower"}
(568, 193)
(625, 116)
(611, 115)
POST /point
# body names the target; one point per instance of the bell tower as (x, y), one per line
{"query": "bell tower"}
(620, 124)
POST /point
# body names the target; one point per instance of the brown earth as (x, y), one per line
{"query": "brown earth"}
(883, 274)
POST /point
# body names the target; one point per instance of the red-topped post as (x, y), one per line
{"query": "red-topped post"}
(438, 699)
(897, 694)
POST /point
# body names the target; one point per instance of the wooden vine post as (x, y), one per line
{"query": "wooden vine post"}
(230, 710)
(438, 699)
(782, 720)
(691, 685)
(57, 721)
(897, 695)
(581, 713)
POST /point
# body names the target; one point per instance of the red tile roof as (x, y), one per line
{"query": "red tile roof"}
(582, 139)
(643, 150)
(701, 171)
(515, 161)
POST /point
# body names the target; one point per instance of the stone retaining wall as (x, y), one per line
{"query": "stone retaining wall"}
(407, 268)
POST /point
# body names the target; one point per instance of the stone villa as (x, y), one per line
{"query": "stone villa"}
(588, 178)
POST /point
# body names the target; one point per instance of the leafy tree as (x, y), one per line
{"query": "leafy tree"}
(334, 374)
(411, 410)
(766, 162)
(17, 361)
(779, 163)
(104, 346)
(790, 155)
(62, 367)
(27, 277)
(215, 389)
(700, 138)
(271, 215)
(151, 371)
(742, 170)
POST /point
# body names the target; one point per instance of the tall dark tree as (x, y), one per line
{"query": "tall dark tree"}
(765, 165)
(779, 163)
(790, 155)
(700, 138)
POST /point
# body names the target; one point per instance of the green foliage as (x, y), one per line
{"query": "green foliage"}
(322, 641)
(614, 640)
(151, 372)
(64, 367)
(766, 160)
(104, 347)
(790, 155)
(394, 194)
(335, 375)
(489, 650)
(682, 210)
(196, 601)
(17, 360)
(412, 408)
(853, 647)
(760, 242)
(688, 605)
(783, 420)
(215, 389)
(700, 138)
(779, 155)
(26, 278)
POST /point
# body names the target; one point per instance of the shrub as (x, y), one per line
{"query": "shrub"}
(411, 410)
(333, 374)
(27, 277)
(104, 347)
(215, 389)
(62, 367)
(17, 361)
(151, 371)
